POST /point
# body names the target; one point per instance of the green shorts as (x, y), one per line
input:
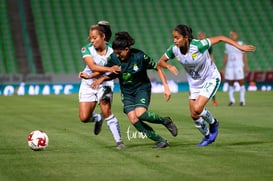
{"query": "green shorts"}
(139, 99)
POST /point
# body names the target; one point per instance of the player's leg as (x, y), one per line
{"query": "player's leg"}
(242, 92)
(147, 130)
(230, 77)
(86, 111)
(105, 97)
(87, 103)
(200, 114)
(142, 101)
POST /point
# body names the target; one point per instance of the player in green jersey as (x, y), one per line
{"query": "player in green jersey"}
(135, 87)
(202, 74)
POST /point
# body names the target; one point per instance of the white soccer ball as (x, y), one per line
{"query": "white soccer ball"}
(37, 140)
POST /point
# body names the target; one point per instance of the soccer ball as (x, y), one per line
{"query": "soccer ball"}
(37, 140)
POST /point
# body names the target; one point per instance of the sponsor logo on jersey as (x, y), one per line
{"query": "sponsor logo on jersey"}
(193, 56)
(177, 58)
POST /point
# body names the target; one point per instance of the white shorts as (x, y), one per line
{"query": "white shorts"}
(208, 89)
(87, 94)
(234, 73)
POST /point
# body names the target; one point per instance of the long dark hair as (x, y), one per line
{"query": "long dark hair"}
(185, 31)
(122, 41)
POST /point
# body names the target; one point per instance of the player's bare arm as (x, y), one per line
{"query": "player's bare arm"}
(97, 68)
(217, 39)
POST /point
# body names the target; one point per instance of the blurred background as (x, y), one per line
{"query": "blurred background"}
(40, 40)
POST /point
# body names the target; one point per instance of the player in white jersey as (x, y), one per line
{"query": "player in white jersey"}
(202, 75)
(95, 55)
(235, 66)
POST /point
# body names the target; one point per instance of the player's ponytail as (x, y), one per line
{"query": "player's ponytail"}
(185, 31)
(122, 40)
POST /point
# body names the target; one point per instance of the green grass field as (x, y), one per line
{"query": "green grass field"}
(242, 151)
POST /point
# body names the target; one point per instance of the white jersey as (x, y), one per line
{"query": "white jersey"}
(90, 51)
(234, 56)
(196, 62)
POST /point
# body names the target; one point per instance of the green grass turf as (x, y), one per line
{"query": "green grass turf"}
(242, 151)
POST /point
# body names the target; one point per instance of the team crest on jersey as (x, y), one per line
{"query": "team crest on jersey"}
(83, 50)
(177, 58)
(135, 68)
(193, 56)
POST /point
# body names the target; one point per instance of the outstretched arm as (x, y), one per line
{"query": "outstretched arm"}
(218, 39)
(162, 76)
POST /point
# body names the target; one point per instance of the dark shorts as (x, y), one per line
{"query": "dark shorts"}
(140, 99)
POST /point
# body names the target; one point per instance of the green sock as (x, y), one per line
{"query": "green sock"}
(150, 133)
(153, 118)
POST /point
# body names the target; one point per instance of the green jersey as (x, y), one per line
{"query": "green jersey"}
(133, 76)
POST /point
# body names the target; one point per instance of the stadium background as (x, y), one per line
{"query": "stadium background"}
(40, 40)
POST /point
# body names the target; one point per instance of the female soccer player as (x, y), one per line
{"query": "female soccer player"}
(135, 87)
(235, 66)
(202, 74)
(95, 55)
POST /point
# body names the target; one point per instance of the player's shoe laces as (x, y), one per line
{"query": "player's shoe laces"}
(161, 144)
(205, 141)
(171, 126)
(120, 145)
(213, 128)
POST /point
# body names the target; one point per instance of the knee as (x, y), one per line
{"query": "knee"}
(196, 111)
(84, 118)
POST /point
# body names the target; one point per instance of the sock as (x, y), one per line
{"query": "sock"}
(242, 93)
(94, 118)
(146, 126)
(207, 116)
(201, 126)
(153, 118)
(113, 125)
(149, 133)
(231, 94)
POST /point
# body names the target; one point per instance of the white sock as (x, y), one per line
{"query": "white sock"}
(200, 124)
(207, 116)
(242, 93)
(231, 94)
(95, 118)
(113, 125)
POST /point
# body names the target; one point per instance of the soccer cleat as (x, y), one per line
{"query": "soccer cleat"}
(242, 104)
(205, 142)
(171, 126)
(231, 104)
(213, 128)
(161, 144)
(120, 145)
(97, 127)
